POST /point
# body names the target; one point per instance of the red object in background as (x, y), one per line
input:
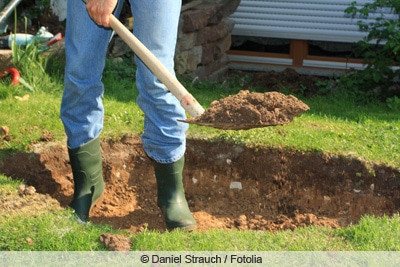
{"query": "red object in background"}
(55, 39)
(15, 76)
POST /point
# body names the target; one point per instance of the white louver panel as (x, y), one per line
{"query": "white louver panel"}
(321, 20)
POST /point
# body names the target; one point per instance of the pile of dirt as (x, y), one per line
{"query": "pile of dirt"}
(115, 242)
(247, 110)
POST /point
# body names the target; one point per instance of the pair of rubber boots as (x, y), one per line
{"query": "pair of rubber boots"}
(86, 163)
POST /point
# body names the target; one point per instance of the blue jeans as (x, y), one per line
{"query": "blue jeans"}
(82, 111)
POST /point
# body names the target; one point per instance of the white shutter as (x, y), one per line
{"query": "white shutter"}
(320, 20)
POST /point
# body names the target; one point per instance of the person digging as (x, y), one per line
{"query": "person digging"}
(165, 124)
(82, 111)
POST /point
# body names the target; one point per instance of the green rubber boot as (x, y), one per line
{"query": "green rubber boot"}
(87, 170)
(171, 195)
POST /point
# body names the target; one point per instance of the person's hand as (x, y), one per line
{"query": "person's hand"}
(100, 10)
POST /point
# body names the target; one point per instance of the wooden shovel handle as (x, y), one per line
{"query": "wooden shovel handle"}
(188, 102)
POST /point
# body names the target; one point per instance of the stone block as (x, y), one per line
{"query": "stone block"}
(186, 41)
(230, 24)
(214, 70)
(204, 38)
(208, 54)
(216, 50)
(223, 45)
(228, 7)
(194, 58)
(212, 33)
(187, 61)
(219, 74)
(200, 17)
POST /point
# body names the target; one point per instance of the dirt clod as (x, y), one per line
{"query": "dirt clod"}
(46, 137)
(26, 190)
(4, 130)
(30, 241)
(116, 242)
(247, 110)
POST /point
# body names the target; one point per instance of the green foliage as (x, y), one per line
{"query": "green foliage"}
(28, 57)
(5, 88)
(327, 86)
(379, 49)
(393, 103)
(31, 66)
(122, 74)
(36, 9)
(36, 67)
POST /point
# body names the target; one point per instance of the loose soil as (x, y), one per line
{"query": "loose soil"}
(246, 110)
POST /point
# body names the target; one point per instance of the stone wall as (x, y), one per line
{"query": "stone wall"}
(204, 38)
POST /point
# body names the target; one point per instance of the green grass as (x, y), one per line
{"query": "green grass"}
(368, 235)
(49, 232)
(336, 124)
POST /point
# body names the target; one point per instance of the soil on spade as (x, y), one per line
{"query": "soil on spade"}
(247, 110)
